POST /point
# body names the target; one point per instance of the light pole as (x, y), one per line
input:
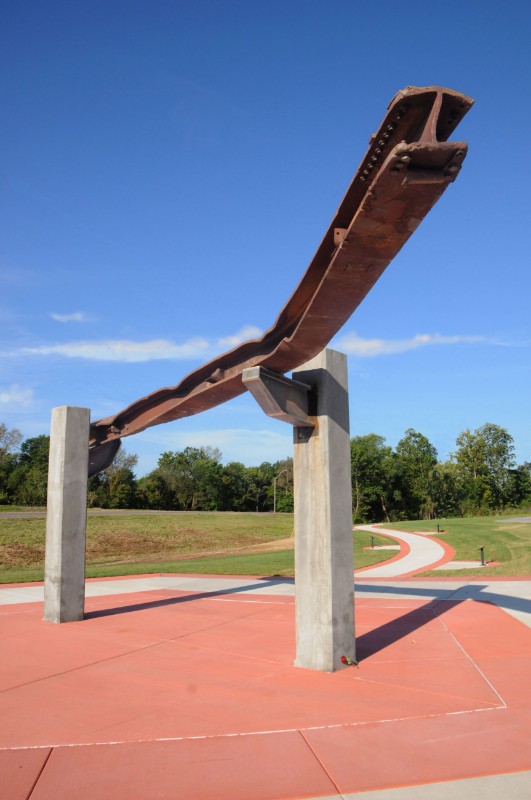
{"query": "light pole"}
(275, 490)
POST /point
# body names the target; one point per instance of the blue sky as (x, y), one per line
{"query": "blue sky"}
(168, 170)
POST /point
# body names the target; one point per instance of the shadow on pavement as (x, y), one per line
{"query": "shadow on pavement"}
(171, 601)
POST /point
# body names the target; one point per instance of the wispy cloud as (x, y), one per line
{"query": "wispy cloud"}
(16, 396)
(127, 351)
(75, 316)
(352, 344)
(245, 333)
(122, 350)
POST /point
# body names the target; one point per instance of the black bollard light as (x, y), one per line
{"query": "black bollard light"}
(482, 551)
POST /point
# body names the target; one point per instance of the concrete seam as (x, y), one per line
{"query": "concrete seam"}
(469, 657)
(486, 705)
(121, 655)
(211, 627)
(235, 735)
(37, 779)
(319, 761)
(83, 666)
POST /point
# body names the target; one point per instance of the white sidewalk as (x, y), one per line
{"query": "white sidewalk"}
(512, 595)
(423, 553)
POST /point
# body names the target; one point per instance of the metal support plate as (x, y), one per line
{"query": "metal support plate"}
(280, 397)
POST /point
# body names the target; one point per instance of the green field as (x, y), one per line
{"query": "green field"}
(504, 541)
(136, 543)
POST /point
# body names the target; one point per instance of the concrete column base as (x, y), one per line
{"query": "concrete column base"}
(324, 579)
(64, 573)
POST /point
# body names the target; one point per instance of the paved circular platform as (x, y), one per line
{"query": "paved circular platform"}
(186, 693)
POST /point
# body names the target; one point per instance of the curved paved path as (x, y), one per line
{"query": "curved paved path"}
(424, 552)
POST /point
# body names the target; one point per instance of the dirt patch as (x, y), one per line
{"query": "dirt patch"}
(263, 547)
(169, 555)
(127, 546)
(123, 544)
(16, 554)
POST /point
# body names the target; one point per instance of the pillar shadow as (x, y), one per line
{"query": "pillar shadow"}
(378, 639)
(372, 642)
(369, 643)
(172, 601)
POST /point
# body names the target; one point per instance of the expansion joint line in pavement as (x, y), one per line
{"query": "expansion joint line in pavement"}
(244, 734)
(320, 762)
(38, 776)
(120, 655)
(75, 669)
(469, 657)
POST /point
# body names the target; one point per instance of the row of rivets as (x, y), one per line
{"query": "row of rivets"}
(382, 143)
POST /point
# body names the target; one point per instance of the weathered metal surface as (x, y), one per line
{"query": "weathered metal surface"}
(102, 456)
(280, 397)
(406, 169)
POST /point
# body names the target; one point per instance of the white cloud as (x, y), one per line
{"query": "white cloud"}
(370, 348)
(122, 350)
(127, 351)
(75, 316)
(16, 395)
(245, 333)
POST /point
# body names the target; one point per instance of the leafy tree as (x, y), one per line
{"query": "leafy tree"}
(116, 486)
(192, 477)
(9, 442)
(259, 481)
(373, 478)
(499, 459)
(153, 492)
(519, 489)
(445, 490)
(484, 461)
(417, 461)
(284, 482)
(35, 452)
(28, 479)
(233, 487)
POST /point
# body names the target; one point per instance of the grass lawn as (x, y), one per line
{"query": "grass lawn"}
(129, 544)
(504, 541)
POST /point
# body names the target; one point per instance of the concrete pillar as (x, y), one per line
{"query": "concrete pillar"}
(64, 572)
(324, 581)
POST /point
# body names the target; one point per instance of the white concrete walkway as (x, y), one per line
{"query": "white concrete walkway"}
(13, 595)
(423, 553)
(514, 596)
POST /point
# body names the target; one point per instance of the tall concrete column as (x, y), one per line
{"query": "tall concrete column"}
(324, 581)
(64, 573)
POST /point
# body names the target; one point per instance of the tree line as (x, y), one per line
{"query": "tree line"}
(405, 482)
(409, 482)
(191, 480)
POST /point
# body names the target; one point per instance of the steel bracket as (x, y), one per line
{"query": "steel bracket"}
(340, 234)
(280, 397)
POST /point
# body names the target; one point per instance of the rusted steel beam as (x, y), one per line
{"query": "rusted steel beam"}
(101, 456)
(404, 172)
